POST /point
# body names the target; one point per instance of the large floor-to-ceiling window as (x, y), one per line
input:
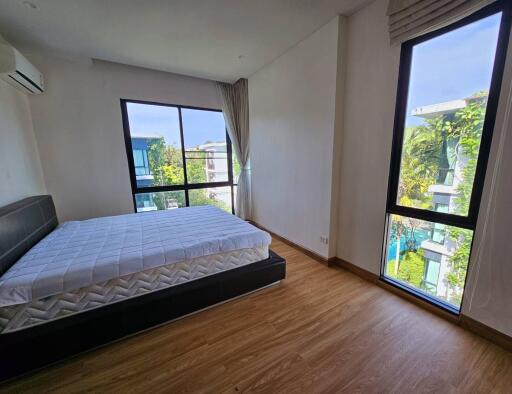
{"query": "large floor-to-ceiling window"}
(178, 156)
(446, 106)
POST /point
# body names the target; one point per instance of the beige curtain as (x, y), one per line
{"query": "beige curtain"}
(411, 18)
(235, 107)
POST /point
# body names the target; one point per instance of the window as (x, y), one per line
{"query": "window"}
(206, 151)
(159, 200)
(178, 156)
(446, 105)
(218, 196)
(438, 230)
(432, 275)
(140, 161)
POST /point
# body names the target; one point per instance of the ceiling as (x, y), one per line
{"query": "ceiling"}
(216, 39)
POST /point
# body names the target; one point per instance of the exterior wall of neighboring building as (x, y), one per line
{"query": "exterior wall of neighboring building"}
(443, 197)
(216, 170)
(141, 144)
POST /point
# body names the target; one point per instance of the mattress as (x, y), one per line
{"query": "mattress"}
(22, 316)
(81, 254)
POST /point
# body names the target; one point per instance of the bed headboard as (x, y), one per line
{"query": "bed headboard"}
(22, 225)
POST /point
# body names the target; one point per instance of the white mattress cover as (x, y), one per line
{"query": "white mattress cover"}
(41, 311)
(81, 253)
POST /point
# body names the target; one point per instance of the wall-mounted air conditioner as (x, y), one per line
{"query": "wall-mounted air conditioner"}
(16, 70)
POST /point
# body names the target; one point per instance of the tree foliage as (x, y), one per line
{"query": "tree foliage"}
(165, 162)
(418, 170)
(196, 168)
(412, 267)
(469, 132)
(424, 154)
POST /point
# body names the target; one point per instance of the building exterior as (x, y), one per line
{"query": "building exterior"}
(140, 146)
(217, 170)
(438, 248)
(215, 167)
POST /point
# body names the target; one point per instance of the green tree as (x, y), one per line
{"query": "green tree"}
(468, 129)
(164, 200)
(200, 197)
(425, 154)
(419, 166)
(165, 163)
(156, 158)
(196, 167)
(166, 167)
(412, 268)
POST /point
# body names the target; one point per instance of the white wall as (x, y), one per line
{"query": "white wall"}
(78, 127)
(20, 167)
(370, 93)
(337, 147)
(292, 115)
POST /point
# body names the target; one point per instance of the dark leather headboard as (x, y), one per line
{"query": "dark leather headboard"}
(22, 225)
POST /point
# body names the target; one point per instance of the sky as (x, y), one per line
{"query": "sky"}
(453, 66)
(198, 126)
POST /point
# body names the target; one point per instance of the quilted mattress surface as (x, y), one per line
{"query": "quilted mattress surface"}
(41, 311)
(81, 253)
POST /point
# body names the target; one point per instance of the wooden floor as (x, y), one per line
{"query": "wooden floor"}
(321, 330)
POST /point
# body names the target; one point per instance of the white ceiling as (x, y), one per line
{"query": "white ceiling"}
(216, 39)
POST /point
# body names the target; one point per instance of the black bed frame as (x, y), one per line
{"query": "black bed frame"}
(32, 348)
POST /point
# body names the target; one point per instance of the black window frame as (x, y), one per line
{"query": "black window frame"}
(470, 221)
(186, 186)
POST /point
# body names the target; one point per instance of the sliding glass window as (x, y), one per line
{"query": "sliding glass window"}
(178, 156)
(446, 106)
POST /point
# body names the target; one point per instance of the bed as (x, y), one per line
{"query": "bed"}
(72, 287)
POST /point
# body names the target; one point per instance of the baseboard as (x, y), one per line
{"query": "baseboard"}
(486, 332)
(369, 276)
(310, 253)
(462, 320)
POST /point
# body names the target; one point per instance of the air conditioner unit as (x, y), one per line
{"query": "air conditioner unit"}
(16, 70)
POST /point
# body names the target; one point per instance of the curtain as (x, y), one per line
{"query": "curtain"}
(235, 107)
(411, 18)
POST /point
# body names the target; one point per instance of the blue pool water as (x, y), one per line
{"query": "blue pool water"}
(420, 236)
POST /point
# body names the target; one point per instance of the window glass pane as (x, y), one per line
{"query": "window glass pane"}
(447, 99)
(217, 196)
(414, 258)
(204, 134)
(438, 233)
(235, 190)
(138, 158)
(236, 169)
(156, 144)
(159, 201)
(206, 166)
(432, 274)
